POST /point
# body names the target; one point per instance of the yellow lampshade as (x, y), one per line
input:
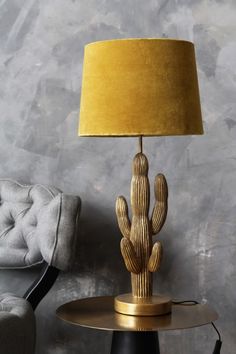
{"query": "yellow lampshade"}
(143, 87)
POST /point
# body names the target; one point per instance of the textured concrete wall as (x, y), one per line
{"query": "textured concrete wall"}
(41, 51)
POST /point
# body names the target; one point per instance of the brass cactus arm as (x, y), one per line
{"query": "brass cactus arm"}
(160, 209)
(155, 258)
(128, 252)
(122, 216)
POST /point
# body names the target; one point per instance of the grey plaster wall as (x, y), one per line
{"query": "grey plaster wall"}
(41, 52)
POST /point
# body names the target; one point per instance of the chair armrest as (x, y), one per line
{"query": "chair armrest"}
(17, 325)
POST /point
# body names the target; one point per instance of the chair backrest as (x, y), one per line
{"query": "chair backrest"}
(37, 225)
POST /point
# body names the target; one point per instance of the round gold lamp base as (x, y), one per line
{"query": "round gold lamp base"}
(151, 306)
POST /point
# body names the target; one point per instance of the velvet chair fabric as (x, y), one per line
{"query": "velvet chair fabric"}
(17, 325)
(37, 224)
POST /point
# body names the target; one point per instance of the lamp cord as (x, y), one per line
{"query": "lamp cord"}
(193, 302)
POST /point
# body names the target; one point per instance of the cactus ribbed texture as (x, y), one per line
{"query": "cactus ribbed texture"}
(141, 257)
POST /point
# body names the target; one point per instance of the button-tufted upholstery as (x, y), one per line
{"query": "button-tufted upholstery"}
(36, 223)
(17, 325)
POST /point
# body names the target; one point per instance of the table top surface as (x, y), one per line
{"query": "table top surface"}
(99, 313)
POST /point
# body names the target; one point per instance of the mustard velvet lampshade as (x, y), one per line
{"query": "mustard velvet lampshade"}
(134, 87)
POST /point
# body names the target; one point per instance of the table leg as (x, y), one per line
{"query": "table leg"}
(135, 343)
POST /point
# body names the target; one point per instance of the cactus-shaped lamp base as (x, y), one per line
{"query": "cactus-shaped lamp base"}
(141, 257)
(151, 306)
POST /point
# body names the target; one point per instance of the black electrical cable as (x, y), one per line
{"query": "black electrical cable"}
(218, 344)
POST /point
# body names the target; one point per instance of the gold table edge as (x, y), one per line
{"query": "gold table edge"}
(113, 328)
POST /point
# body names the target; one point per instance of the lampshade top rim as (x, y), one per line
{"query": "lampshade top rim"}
(140, 40)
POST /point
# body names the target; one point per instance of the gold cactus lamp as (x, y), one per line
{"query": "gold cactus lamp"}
(140, 87)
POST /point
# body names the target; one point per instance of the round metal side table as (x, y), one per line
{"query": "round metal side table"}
(133, 334)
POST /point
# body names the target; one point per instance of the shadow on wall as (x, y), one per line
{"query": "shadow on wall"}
(98, 251)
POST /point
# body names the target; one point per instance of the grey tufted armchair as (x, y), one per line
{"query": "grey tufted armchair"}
(37, 227)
